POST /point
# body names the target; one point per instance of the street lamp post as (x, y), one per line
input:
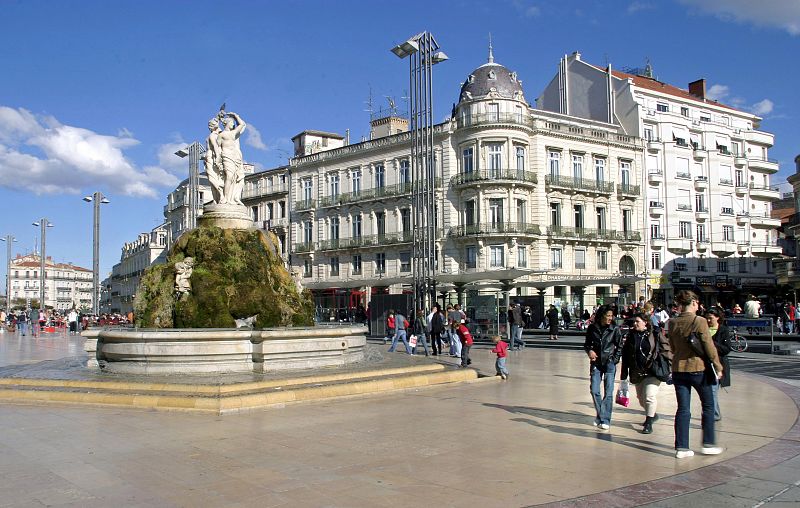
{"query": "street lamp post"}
(43, 223)
(193, 151)
(423, 53)
(9, 239)
(97, 199)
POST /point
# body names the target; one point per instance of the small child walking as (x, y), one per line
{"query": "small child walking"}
(501, 348)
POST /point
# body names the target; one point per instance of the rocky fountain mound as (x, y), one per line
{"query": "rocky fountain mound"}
(237, 276)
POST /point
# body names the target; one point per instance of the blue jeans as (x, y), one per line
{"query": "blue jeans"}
(684, 382)
(603, 405)
(516, 336)
(402, 335)
(421, 337)
(500, 366)
(715, 390)
(23, 328)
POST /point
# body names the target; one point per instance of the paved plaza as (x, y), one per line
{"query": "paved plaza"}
(526, 441)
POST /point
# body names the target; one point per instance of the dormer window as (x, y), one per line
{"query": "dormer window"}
(513, 76)
(471, 78)
(492, 75)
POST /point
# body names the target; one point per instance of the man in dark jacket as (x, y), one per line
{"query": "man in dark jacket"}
(517, 324)
(603, 344)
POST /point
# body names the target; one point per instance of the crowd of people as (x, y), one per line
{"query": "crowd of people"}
(683, 344)
(35, 322)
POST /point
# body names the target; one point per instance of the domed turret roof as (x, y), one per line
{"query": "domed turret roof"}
(492, 78)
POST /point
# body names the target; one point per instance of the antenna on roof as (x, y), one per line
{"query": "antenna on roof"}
(370, 109)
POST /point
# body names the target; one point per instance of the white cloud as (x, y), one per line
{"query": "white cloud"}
(717, 92)
(526, 8)
(637, 6)
(762, 108)
(783, 14)
(253, 138)
(41, 155)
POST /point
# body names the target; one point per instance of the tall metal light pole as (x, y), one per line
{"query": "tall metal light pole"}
(423, 53)
(9, 239)
(193, 151)
(44, 224)
(98, 199)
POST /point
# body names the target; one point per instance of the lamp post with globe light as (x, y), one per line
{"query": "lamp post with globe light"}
(9, 239)
(97, 199)
(423, 53)
(42, 223)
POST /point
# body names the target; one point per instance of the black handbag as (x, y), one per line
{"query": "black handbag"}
(695, 344)
(661, 367)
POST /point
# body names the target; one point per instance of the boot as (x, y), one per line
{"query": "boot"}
(648, 426)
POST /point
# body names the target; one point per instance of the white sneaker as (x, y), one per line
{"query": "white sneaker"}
(682, 454)
(711, 450)
(605, 426)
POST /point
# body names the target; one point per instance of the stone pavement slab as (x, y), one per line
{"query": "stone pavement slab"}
(523, 442)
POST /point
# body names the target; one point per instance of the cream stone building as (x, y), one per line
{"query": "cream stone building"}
(66, 285)
(708, 196)
(542, 203)
(136, 256)
(266, 195)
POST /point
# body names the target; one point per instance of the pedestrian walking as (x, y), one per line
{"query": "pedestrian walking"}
(721, 335)
(501, 349)
(552, 321)
(643, 345)
(401, 325)
(566, 317)
(454, 317)
(465, 337)
(420, 331)
(390, 325)
(603, 344)
(689, 372)
(22, 322)
(517, 325)
(436, 325)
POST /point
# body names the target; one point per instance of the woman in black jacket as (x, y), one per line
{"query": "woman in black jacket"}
(603, 344)
(642, 345)
(721, 335)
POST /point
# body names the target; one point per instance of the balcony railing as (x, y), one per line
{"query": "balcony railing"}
(482, 175)
(628, 189)
(568, 182)
(593, 234)
(496, 228)
(255, 192)
(304, 247)
(366, 241)
(398, 189)
(726, 211)
(484, 118)
(304, 204)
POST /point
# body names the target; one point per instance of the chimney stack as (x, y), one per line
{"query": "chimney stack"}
(698, 88)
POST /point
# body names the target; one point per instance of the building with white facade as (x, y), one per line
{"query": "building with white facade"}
(708, 192)
(136, 256)
(542, 203)
(266, 195)
(66, 285)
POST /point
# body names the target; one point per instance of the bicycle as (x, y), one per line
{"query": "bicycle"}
(738, 342)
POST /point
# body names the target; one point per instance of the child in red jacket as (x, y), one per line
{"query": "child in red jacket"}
(466, 341)
(500, 348)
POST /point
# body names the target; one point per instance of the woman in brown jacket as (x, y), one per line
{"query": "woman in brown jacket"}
(689, 371)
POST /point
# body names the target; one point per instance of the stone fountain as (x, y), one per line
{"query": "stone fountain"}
(224, 301)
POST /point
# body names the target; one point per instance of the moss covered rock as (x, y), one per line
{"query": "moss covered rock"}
(237, 274)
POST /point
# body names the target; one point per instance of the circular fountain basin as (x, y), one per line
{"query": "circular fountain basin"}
(201, 351)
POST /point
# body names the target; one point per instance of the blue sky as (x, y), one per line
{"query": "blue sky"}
(97, 95)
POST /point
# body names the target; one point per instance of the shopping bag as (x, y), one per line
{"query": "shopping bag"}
(412, 341)
(622, 394)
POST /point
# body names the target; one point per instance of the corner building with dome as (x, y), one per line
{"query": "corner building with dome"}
(545, 206)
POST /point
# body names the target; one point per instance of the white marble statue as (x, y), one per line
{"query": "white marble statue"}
(213, 161)
(223, 159)
(183, 275)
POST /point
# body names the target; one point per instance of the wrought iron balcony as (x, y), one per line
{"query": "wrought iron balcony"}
(592, 234)
(579, 184)
(304, 204)
(489, 118)
(485, 175)
(398, 189)
(498, 228)
(627, 189)
(366, 241)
